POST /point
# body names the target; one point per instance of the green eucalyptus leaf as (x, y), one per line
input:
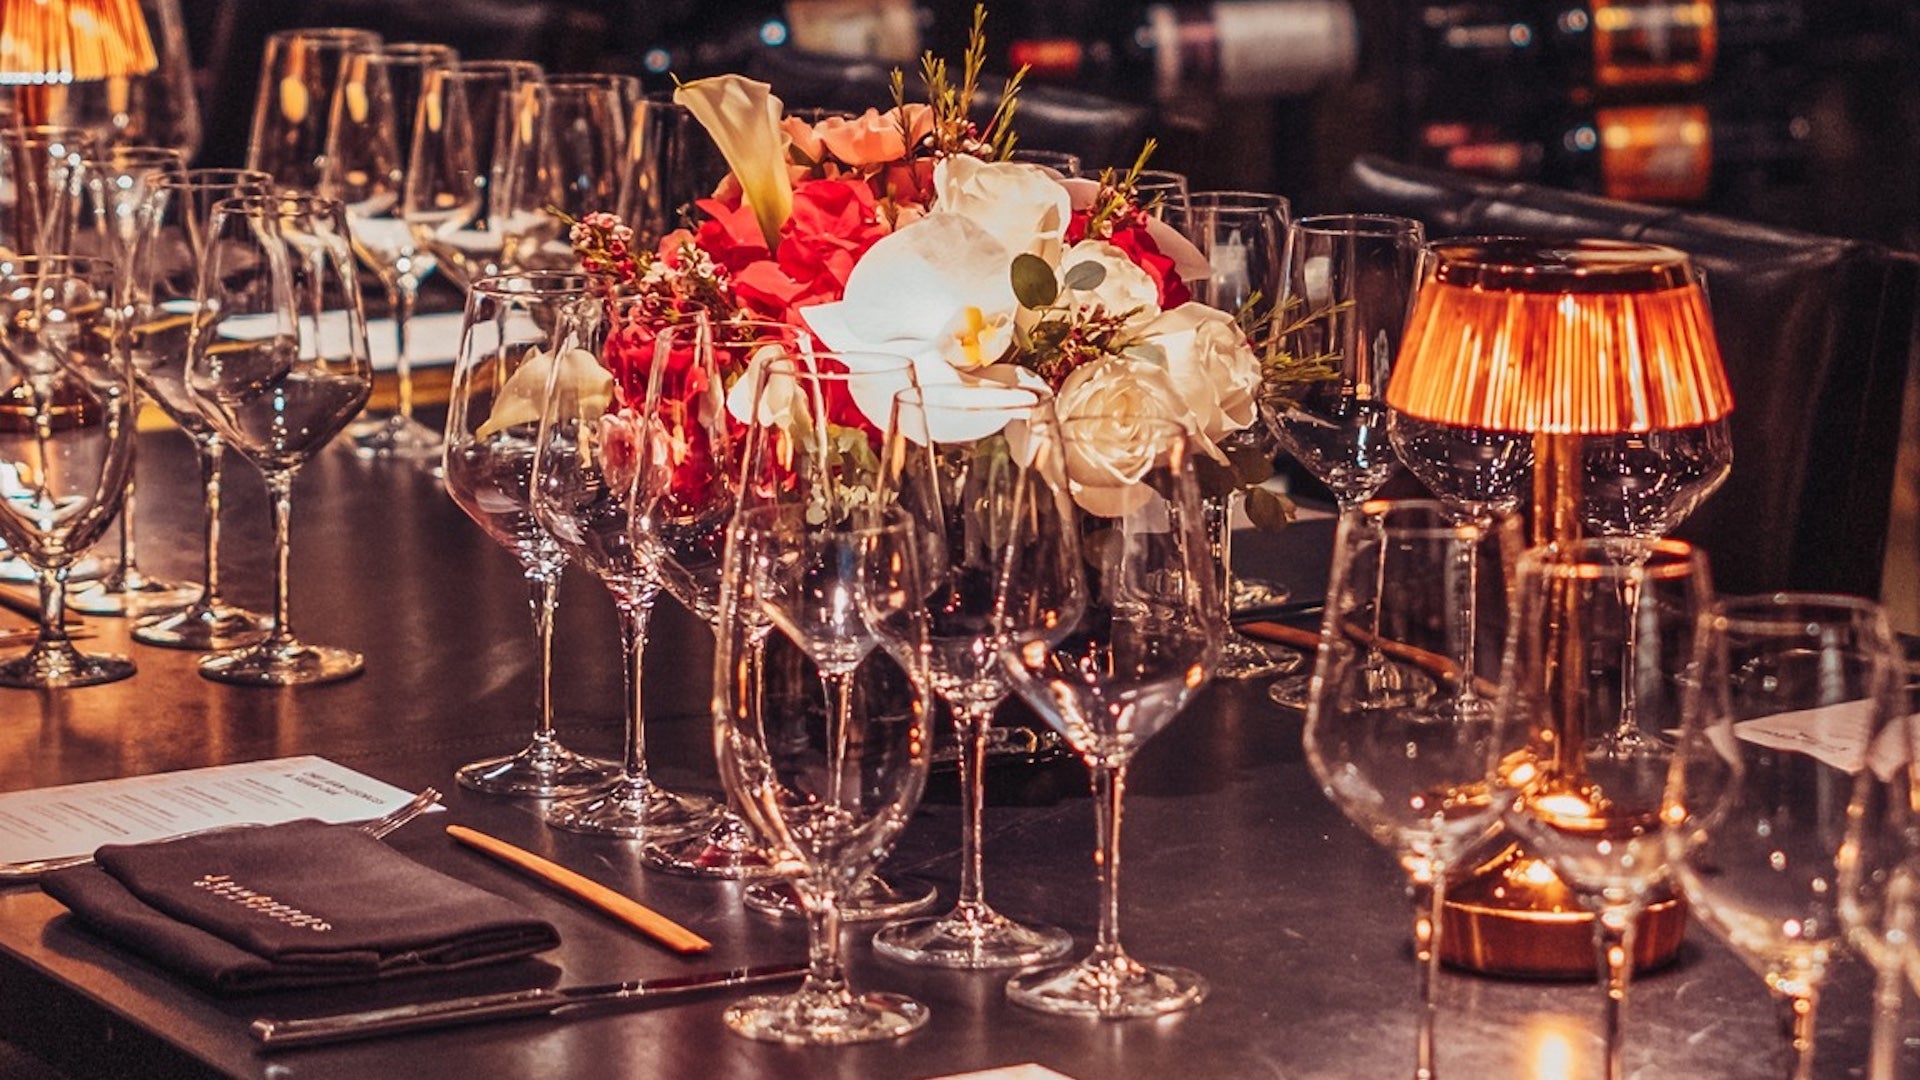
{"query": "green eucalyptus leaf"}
(1269, 510)
(1216, 481)
(1086, 275)
(1250, 463)
(1033, 282)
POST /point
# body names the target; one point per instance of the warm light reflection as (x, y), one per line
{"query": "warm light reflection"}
(1550, 1042)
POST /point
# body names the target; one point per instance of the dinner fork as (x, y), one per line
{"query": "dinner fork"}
(31, 869)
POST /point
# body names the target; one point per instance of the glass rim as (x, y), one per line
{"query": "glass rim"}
(217, 176)
(323, 35)
(1746, 610)
(917, 396)
(1597, 558)
(533, 284)
(1442, 523)
(890, 364)
(303, 202)
(1373, 225)
(871, 520)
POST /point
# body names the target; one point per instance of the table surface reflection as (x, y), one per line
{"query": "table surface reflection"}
(1235, 864)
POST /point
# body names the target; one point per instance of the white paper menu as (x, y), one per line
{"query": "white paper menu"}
(74, 819)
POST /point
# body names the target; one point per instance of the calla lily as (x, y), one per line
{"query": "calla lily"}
(743, 117)
(520, 398)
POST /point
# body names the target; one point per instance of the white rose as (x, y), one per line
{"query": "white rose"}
(1123, 287)
(1108, 456)
(1212, 365)
(1019, 205)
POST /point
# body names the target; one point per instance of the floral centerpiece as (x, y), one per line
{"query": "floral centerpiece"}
(908, 232)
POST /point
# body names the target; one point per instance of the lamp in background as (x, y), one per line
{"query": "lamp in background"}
(46, 42)
(1558, 343)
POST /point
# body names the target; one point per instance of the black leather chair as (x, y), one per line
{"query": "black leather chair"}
(1817, 334)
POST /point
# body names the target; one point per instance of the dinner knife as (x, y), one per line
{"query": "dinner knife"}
(515, 1004)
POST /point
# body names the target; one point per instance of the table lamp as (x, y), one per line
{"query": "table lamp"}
(1560, 340)
(50, 43)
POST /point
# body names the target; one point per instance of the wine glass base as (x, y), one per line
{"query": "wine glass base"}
(398, 436)
(872, 900)
(543, 769)
(1256, 594)
(1109, 988)
(1241, 658)
(972, 937)
(45, 667)
(724, 851)
(204, 628)
(632, 809)
(285, 664)
(132, 594)
(18, 570)
(1391, 685)
(805, 1019)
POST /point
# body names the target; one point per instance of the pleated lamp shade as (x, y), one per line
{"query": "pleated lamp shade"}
(63, 41)
(1579, 337)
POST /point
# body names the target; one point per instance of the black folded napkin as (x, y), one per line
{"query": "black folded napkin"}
(293, 905)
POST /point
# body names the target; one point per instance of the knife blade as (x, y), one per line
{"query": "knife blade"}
(275, 1034)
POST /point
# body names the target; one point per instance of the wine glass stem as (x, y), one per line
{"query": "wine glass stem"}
(1469, 647)
(973, 720)
(1109, 788)
(635, 614)
(128, 567)
(1630, 601)
(1806, 1007)
(826, 978)
(838, 685)
(1429, 905)
(545, 585)
(1613, 935)
(211, 451)
(1219, 518)
(280, 488)
(1883, 1060)
(404, 294)
(53, 604)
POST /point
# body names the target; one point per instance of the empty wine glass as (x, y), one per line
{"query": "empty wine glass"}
(968, 464)
(457, 202)
(386, 93)
(1160, 191)
(1793, 697)
(1060, 162)
(117, 186)
(1351, 280)
(278, 363)
(299, 72)
(1410, 772)
(511, 337)
(1110, 665)
(571, 158)
(164, 302)
(593, 441)
(828, 781)
(1879, 867)
(66, 442)
(47, 167)
(1586, 793)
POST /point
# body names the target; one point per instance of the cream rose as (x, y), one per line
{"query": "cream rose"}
(1107, 456)
(1123, 288)
(1211, 364)
(1020, 206)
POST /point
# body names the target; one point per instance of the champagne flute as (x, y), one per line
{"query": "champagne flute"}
(165, 303)
(66, 442)
(1110, 666)
(1352, 278)
(118, 184)
(968, 463)
(278, 363)
(593, 440)
(462, 163)
(300, 70)
(1879, 866)
(1586, 793)
(1794, 696)
(1410, 773)
(509, 343)
(386, 95)
(831, 605)
(1241, 233)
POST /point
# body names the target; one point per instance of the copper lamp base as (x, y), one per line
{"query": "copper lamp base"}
(1513, 917)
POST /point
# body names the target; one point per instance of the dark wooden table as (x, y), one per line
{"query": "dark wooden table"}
(1236, 865)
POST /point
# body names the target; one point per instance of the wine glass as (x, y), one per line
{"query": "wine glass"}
(967, 463)
(594, 439)
(66, 442)
(278, 364)
(1795, 694)
(164, 301)
(300, 70)
(1160, 191)
(1585, 792)
(809, 443)
(47, 167)
(827, 780)
(1110, 666)
(456, 201)
(1059, 162)
(1350, 280)
(571, 158)
(509, 341)
(1412, 773)
(117, 184)
(1879, 867)
(386, 95)
(153, 108)
(1241, 233)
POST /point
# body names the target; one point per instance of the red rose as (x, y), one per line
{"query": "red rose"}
(1144, 253)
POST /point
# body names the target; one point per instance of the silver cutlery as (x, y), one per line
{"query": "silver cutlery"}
(424, 1016)
(31, 869)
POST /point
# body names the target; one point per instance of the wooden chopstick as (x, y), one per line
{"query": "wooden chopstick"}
(624, 908)
(1432, 662)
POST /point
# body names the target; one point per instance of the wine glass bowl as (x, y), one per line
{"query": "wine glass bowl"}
(1646, 483)
(300, 70)
(457, 202)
